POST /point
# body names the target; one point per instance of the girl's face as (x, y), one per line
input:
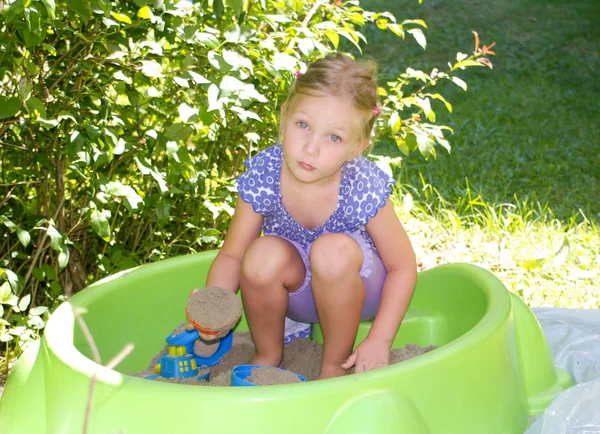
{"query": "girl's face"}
(320, 133)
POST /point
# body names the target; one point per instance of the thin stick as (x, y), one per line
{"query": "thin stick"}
(88, 336)
(112, 364)
(127, 349)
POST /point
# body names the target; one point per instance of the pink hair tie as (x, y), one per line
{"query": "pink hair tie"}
(376, 110)
(297, 74)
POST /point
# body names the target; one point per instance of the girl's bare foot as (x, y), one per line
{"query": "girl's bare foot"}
(332, 371)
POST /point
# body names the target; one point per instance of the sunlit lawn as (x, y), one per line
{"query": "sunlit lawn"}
(520, 192)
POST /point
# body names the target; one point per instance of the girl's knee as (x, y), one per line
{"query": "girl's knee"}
(266, 260)
(334, 256)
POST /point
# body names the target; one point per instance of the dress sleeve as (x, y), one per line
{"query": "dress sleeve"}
(257, 184)
(369, 187)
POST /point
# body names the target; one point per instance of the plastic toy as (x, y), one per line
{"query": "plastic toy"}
(182, 362)
(492, 371)
(240, 372)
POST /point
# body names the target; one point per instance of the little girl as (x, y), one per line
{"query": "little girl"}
(333, 250)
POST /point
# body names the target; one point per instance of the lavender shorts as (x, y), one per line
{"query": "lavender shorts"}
(301, 305)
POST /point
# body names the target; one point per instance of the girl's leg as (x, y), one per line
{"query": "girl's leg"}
(339, 295)
(271, 268)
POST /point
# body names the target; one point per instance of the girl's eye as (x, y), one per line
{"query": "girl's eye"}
(302, 125)
(335, 139)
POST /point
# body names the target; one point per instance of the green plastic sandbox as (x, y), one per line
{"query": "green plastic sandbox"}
(491, 373)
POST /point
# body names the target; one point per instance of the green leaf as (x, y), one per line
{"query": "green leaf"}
(9, 107)
(5, 336)
(198, 79)
(207, 40)
(120, 190)
(402, 145)
(218, 8)
(351, 38)
(35, 322)
(24, 302)
(236, 60)
(151, 69)
(172, 150)
(237, 6)
(397, 30)
(333, 36)
(49, 272)
(357, 18)
(419, 37)
(36, 106)
(17, 331)
(38, 274)
(145, 13)
(38, 310)
(24, 88)
(178, 132)
(244, 115)
(122, 18)
(186, 112)
(181, 82)
(11, 300)
(163, 209)
(49, 48)
(5, 291)
(459, 82)
(442, 99)
(425, 104)
(464, 63)
(24, 237)
(81, 8)
(418, 22)
(50, 8)
(63, 258)
(55, 237)
(213, 98)
(394, 122)
(12, 278)
(100, 223)
(425, 143)
(12, 11)
(56, 288)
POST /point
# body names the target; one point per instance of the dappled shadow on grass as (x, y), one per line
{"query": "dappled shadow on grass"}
(528, 128)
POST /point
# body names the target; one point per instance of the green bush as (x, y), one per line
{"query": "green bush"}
(125, 123)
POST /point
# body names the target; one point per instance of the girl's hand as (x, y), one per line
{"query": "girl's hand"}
(370, 354)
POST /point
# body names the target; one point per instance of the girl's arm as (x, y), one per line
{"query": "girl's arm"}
(398, 257)
(245, 227)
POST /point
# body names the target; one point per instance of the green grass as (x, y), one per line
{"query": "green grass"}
(523, 175)
(536, 256)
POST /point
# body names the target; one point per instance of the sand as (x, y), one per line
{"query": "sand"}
(267, 375)
(192, 380)
(302, 356)
(213, 311)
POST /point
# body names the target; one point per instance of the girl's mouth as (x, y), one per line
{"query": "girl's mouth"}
(306, 166)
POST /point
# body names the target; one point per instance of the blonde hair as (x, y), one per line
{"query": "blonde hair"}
(340, 75)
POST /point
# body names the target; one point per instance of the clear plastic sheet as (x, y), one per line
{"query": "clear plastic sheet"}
(574, 339)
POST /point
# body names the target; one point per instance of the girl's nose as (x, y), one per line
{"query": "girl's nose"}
(311, 146)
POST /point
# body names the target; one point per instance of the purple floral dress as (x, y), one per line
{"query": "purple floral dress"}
(364, 188)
